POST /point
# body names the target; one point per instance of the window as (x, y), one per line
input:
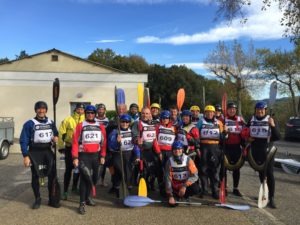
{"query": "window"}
(54, 58)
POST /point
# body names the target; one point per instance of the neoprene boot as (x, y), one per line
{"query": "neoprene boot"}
(81, 209)
(37, 203)
(236, 192)
(271, 203)
(90, 202)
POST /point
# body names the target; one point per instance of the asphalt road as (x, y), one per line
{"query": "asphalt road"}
(16, 198)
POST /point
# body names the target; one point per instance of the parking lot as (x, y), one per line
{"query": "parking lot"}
(16, 198)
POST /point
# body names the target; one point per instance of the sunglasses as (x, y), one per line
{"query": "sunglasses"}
(90, 113)
(125, 122)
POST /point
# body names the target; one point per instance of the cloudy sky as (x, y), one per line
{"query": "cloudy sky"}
(165, 32)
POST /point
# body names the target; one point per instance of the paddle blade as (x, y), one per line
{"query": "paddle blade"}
(222, 195)
(263, 195)
(120, 96)
(142, 191)
(234, 207)
(140, 90)
(273, 93)
(146, 97)
(55, 91)
(137, 201)
(290, 169)
(93, 190)
(180, 98)
(55, 193)
(224, 104)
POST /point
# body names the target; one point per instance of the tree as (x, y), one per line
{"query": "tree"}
(4, 60)
(165, 82)
(230, 9)
(131, 64)
(22, 55)
(234, 66)
(284, 67)
(101, 56)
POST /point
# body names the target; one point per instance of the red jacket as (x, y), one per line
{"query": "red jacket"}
(89, 137)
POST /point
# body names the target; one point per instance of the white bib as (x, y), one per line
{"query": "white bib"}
(149, 132)
(259, 128)
(180, 172)
(166, 135)
(126, 140)
(210, 130)
(233, 126)
(91, 133)
(43, 132)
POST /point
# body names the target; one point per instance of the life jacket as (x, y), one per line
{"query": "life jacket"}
(234, 128)
(179, 172)
(126, 140)
(166, 137)
(148, 131)
(42, 132)
(259, 128)
(195, 120)
(90, 135)
(182, 133)
(210, 131)
(104, 121)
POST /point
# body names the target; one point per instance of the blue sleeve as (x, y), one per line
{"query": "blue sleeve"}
(137, 151)
(54, 129)
(113, 144)
(199, 124)
(25, 137)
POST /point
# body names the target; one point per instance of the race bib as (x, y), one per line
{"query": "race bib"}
(149, 133)
(42, 133)
(126, 141)
(213, 133)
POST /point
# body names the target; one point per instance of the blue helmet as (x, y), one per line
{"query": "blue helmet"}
(165, 114)
(177, 145)
(90, 108)
(261, 105)
(186, 113)
(125, 117)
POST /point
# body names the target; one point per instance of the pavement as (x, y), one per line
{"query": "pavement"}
(16, 198)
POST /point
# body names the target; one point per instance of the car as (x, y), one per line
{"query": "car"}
(292, 129)
(6, 135)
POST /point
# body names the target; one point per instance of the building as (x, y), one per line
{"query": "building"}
(26, 81)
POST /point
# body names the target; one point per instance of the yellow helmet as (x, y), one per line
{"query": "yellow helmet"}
(210, 108)
(195, 108)
(155, 105)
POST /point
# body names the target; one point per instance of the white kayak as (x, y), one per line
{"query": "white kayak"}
(289, 166)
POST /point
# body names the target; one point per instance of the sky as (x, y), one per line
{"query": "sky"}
(165, 32)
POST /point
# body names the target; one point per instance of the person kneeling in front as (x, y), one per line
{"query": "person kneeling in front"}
(181, 175)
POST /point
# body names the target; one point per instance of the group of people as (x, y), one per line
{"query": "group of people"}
(186, 153)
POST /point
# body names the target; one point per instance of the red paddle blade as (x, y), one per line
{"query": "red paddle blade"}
(180, 98)
(141, 165)
(222, 195)
(93, 191)
(224, 103)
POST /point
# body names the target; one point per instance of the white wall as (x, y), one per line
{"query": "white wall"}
(20, 91)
